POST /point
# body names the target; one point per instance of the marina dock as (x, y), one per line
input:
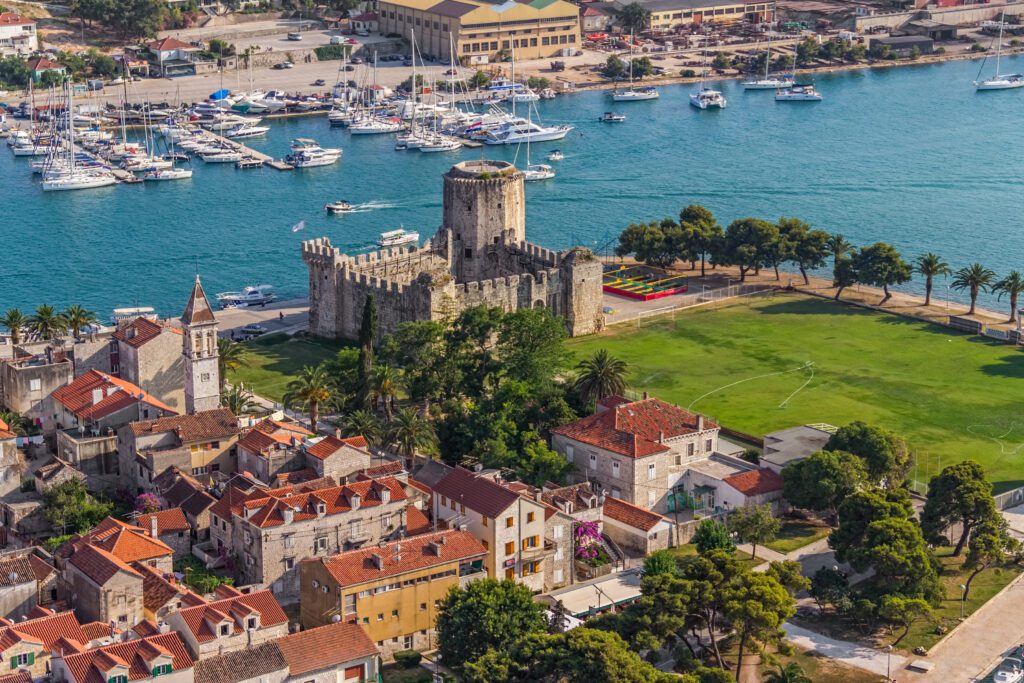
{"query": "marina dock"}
(251, 155)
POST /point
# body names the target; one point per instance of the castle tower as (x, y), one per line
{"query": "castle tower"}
(202, 379)
(484, 204)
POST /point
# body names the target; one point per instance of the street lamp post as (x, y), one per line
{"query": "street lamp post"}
(888, 662)
(963, 598)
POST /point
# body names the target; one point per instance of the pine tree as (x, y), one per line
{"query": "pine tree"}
(559, 620)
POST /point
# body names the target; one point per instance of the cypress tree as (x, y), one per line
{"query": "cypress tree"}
(367, 336)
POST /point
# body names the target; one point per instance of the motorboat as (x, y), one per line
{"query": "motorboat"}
(441, 144)
(635, 94)
(123, 316)
(145, 162)
(798, 92)
(395, 238)
(1010, 671)
(167, 174)
(538, 172)
(1000, 81)
(612, 117)
(520, 130)
(556, 155)
(340, 206)
(223, 156)
(707, 98)
(524, 95)
(306, 153)
(252, 295)
(247, 131)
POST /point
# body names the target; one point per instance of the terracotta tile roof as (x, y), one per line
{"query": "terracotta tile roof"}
(325, 647)
(198, 309)
(16, 571)
(419, 486)
(198, 619)
(175, 44)
(358, 566)
(97, 630)
(204, 425)
(295, 477)
(20, 677)
(393, 467)
(39, 611)
(632, 515)
(138, 656)
(146, 628)
(268, 510)
(269, 433)
(41, 568)
(115, 394)
(54, 467)
(44, 630)
(475, 492)
(158, 589)
(633, 428)
(125, 541)
(329, 445)
(142, 330)
(416, 522)
(755, 482)
(41, 63)
(5, 431)
(98, 564)
(167, 521)
(198, 503)
(242, 665)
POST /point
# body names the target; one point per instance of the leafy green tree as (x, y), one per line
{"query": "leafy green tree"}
(101, 65)
(822, 481)
(642, 66)
(885, 455)
(915, 53)
(429, 369)
(77, 317)
(897, 610)
(788, 673)
(655, 243)
(660, 562)
(308, 391)
(881, 265)
(16, 422)
(711, 575)
(712, 535)
(991, 544)
(754, 524)
(833, 50)
(47, 323)
(599, 376)
(931, 266)
(859, 510)
(960, 493)
(384, 389)
(558, 622)
(856, 52)
(367, 340)
(479, 80)
(136, 18)
(230, 356)
(976, 279)
(756, 610)
(486, 614)
(1012, 285)
(51, 79)
(895, 549)
(71, 508)
(410, 433)
(700, 233)
(530, 345)
(537, 463)
(721, 62)
(746, 242)
(15, 321)
(844, 274)
(808, 247)
(789, 573)
(634, 17)
(614, 67)
(807, 50)
(829, 587)
(238, 400)
(365, 424)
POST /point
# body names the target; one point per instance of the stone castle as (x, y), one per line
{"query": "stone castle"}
(478, 256)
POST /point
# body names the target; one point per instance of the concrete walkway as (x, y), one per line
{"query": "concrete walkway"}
(855, 655)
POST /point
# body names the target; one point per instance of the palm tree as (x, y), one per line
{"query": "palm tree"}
(16, 422)
(308, 391)
(976, 278)
(384, 388)
(601, 375)
(931, 266)
(1012, 285)
(363, 423)
(238, 400)
(838, 247)
(15, 321)
(78, 317)
(230, 356)
(790, 673)
(409, 432)
(46, 322)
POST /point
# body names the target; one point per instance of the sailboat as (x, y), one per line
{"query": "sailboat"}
(706, 97)
(797, 92)
(768, 82)
(632, 94)
(534, 172)
(1000, 81)
(173, 173)
(64, 175)
(374, 125)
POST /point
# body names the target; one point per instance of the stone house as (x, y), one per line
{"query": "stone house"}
(18, 586)
(720, 484)
(558, 531)
(237, 490)
(170, 527)
(12, 461)
(509, 526)
(27, 645)
(635, 529)
(200, 443)
(234, 622)
(337, 458)
(148, 354)
(636, 450)
(27, 382)
(272, 447)
(161, 656)
(125, 541)
(103, 587)
(273, 533)
(162, 594)
(392, 590)
(260, 664)
(170, 57)
(55, 473)
(46, 576)
(180, 490)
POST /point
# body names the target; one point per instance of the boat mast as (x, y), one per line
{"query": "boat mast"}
(71, 129)
(999, 44)
(768, 54)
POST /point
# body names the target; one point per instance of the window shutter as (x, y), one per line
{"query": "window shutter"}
(31, 658)
(14, 662)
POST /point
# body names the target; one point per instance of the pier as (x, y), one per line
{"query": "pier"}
(251, 155)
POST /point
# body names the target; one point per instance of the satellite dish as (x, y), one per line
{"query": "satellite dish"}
(13, 577)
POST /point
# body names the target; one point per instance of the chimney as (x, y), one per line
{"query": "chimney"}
(354, 501)
(443, 539)
(700, 423)
(289, 515)
(153, 526)
(539, 496)
(97, 396)
(337, 433)
(645, 396)
(661, 436)
(435, 548)
(378, 560)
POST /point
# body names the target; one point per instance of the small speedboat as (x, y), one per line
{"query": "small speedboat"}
(340, 206)
(396, 238)
(555, 155)
(612, 117)
(1009, 671)
(535, 172)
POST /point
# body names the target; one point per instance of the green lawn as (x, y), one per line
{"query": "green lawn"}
(950, 395)
(795, 534)
(272, 361)
(393, 673)
(688, 550)
(824, 670)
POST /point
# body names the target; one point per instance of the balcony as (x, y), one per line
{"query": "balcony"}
(542, 551)
(471, 572)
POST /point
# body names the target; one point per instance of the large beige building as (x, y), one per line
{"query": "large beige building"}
(481, 30)
(666, 15)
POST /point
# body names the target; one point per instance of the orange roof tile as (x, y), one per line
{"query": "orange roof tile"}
(416, 522)
(418, 552)
(20, 677)
(329, 445)
(175, 44)
(268, 433)
(114, 394)
(138, 655)
(126, 542)
(632, 515)
(325, 647)
(481, 494)
(198, 619)
(45, 630)
(204, 425)
(97, 630)
(268, 511)
(98, 564)
(142, 330)
(167, 521)
(633, 428)
(755, 482)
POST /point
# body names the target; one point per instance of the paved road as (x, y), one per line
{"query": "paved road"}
(855, 655)
(295, 318)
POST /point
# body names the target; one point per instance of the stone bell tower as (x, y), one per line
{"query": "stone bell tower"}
(202, 377)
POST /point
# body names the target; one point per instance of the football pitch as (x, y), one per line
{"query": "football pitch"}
(770, 363)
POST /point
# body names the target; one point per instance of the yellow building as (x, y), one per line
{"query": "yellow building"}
(667, 14)
(392, 590)
(484, 31)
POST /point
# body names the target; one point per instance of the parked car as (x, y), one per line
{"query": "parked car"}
(407, 62)
(319, 81)
(349, 67)
(294, 36)
(362, 32)
(451, 72)
(357, 60)
(254, 329)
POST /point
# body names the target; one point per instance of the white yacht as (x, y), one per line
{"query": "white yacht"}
(67, 176)
(706, 98)
(440, 144)
(247, 131)
(253, 295)
(556, 155)
(1000, 81)
(633, 93)
(394, 238)
(538, 172)
(522, 130)
(168, 174)
(307, 153)
(798, 92)
(221, 156)
(767, 82)
(524, 95)
(374, 126)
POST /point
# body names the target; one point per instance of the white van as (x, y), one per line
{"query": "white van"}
(294, 36)
(337, 40)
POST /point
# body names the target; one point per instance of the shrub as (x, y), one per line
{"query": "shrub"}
(977, 47)
(407, 659)
(329, 52)
(687, 73)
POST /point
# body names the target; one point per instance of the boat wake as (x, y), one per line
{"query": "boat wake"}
(366, 207)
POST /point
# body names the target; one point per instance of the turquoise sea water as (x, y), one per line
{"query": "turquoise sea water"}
(909, 155)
